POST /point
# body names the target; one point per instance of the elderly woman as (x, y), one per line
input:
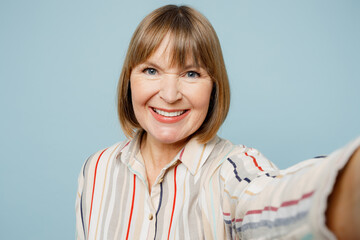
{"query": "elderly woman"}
(175, 179)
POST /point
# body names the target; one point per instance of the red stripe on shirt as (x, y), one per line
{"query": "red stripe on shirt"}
(294, 202)
(271, 208)
(132, 208)
(234, 219)
(182, 152)
(284, 204)
(173, 208)
(255, 162)
(92, 196)
(125, 145)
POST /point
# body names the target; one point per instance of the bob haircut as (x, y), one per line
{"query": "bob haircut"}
(192, 35)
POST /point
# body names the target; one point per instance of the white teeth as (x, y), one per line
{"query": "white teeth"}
(168, 114)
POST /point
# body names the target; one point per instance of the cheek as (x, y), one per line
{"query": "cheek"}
(201, 97)
(138, 99)
(140, 93)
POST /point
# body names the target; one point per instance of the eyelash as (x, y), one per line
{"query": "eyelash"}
(154, 71)
(196, 73)
(146, 70)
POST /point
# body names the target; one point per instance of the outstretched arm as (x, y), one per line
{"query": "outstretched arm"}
(343, 212)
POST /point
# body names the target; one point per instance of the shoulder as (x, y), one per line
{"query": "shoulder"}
(243, 163)
(97, 159)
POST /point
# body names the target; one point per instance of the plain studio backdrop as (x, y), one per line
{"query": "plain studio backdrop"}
(293, 68)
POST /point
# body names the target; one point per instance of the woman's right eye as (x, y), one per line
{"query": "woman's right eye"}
(150, 71)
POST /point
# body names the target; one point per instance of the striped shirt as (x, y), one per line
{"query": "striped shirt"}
(213, 191)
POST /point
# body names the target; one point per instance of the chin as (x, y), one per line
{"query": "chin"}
(169, 138)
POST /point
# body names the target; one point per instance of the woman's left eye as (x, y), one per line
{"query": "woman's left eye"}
(150, 71)
(192, 74)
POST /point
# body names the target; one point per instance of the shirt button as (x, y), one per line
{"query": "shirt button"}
(150, 216)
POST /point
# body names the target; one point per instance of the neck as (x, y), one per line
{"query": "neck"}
(157, 155)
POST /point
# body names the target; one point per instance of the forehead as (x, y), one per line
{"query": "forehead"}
(175, 53)
(164, 50)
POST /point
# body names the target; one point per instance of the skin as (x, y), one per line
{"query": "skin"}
(157, 84)
(343, 212)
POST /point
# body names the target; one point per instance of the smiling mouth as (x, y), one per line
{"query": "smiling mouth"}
(169, 114)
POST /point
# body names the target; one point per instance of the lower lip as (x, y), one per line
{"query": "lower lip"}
(164, 119)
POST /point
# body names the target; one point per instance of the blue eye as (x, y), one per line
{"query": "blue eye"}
(150, 71)
(192, 74)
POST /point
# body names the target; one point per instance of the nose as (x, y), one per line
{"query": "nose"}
(169, 91)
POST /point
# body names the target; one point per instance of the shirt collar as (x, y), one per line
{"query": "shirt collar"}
(128, 150)
(193, 155)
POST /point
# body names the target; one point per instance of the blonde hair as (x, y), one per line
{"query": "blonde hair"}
(192, 35)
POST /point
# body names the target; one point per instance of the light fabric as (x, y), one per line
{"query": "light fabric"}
(214, 191)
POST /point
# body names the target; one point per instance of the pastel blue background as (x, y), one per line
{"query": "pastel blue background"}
(293, 66)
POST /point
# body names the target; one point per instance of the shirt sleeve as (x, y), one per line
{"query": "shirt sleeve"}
(80, 202)
(262, 202)
(80, 233)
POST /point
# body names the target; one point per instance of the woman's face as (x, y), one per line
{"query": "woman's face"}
(170, 103)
